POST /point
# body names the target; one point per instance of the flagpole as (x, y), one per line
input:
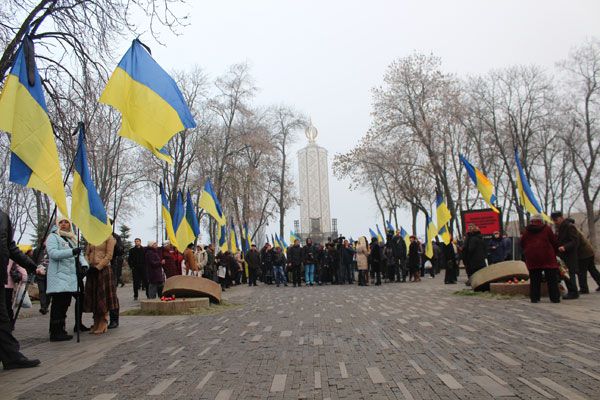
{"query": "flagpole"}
(116, 182)
(39, 250)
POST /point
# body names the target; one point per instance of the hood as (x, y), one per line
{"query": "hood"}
(535, 228)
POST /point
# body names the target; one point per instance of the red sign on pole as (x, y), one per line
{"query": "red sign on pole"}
(487, 220)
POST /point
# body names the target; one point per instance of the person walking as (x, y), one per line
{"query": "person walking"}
(539, 245)
(137, 263)
(362, 260)
(253, 260)
(309, 259)
(154, 268)
(295, 258)
(100, 295)
(10, 355)
(62, 278)
(568, 243)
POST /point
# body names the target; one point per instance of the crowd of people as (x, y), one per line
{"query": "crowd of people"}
(90, 274)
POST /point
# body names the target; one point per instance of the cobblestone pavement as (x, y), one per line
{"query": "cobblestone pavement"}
(396, 341)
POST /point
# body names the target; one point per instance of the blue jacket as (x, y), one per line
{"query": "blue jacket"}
(61, 273)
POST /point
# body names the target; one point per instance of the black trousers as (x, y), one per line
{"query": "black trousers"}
(8, 301)
(585, 265)
(252, 272)
(60, 305)
(296, 274)
(9, 346)
(450, 275)
(40, 280)
(140, 281)
(572, 281)
(535, 284)
(362, 277)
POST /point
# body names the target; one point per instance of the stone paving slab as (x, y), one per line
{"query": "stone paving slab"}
(396, 341)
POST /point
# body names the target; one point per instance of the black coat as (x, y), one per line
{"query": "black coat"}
(295, 256)
(136, 259)
(347, 255)
(568, 237)
(474, 251)
(414, 260)
(253, 259)
(376, 257)
(309, 254)
(10, 251)
(399, 248)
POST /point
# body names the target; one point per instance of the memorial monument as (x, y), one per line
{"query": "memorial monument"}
(313, 172)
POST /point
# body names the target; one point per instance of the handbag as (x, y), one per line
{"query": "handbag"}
(221, 271)
(18, 295)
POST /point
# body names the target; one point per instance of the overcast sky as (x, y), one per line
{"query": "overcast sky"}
(323, 58)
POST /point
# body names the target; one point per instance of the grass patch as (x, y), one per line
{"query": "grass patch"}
(212, 310)
(485, 295)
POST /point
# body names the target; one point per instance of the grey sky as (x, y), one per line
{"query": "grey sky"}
(323, 57)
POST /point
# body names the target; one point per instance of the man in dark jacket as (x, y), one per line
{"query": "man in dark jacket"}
(474, 251)
(568, 242)
(309, 252)
(137, 264)
(400, 251)
(347, 262)
(585, 254)
(497, 249)
(253, 260)
(294, 259)
(9, 346)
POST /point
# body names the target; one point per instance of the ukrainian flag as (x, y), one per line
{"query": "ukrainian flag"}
(390, 227)
(430, 233)
(223, 238)
(166, 214)
(183, 229)
(443, 217)
(281, 240)
(152, 107)
(190, 216)
(406, 238)
(87, 210)
(294, 237)
(484, 185)
(209, 202)
(233, 239)
(526, 197)
(247, 237)
(23, 113)
(275, 242)
(373, 234)
(379, 235)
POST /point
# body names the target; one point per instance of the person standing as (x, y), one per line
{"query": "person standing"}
(539, 245)
(137, 263)
(375, 260)
(586, 263)
(414, 260)
(497, 249)
(295, 262)
(451, 274)
(116, 264)
(347, 261)
(171, 260)
(279, 263)
(190, 260)
(399, 248)
(154, 265)
(253, 260)
(309, 259)
(266, 258)
(201, 259)
(568, 243)
(474, 251)
(362, 260)
(100, 295)
(40, 280)
(210, 269)
(10, 355)
(62, 278)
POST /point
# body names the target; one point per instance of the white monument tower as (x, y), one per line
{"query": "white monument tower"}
(315, 218)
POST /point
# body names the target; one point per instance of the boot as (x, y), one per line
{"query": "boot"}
(114, 319)
(94, 327)
(57, 331)
(102, 325)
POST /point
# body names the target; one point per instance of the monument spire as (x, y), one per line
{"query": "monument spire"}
(311, 132)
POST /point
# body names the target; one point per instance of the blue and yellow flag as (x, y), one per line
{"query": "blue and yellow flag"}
(190, 216)
(484, 185)
(443, 217)
(166, 215)
(373, 234)
(247, 237)
(23, 113)
(294, 237)
(406, 238)
(209, 202)
(430, 233)
(526, 197)
(183, 230)
(275, 242)
(390, 227)
(87, 210)
(233, 242)
(379, 235)
(223, 238)
(152, 107)
(282, 242)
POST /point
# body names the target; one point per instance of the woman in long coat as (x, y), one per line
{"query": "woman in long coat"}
(362, 260)
(414, 260)
(100, 294)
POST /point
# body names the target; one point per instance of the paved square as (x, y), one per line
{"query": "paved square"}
(396, 341)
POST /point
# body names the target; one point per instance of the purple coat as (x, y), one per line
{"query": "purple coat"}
(153, 265)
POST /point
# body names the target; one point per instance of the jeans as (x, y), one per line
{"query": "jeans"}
(348, 272)
(309, 273)
(279, 275)
(155, 289)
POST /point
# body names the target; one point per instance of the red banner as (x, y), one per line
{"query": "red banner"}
(486, 220)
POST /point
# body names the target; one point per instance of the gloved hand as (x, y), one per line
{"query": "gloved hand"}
(77, 251)
(41, 270)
